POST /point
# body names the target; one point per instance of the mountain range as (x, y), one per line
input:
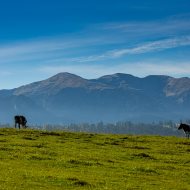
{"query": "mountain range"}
(68, 98)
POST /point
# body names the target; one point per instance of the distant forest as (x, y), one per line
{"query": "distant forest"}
(167, 128)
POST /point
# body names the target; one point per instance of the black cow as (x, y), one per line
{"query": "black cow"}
(20, 120)
(186, 129)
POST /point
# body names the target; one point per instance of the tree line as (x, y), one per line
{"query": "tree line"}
(166, 128)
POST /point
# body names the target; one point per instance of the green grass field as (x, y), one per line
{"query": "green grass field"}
(32, 159)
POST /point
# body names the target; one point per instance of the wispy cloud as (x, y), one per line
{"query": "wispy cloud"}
(41, 48)
(100, 49)
(142, 48)
(57, 52)
(5, 73)
(102, 42)
(173, 26)
(153, 46)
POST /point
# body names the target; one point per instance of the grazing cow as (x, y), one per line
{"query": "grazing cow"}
(186, 129)
(20, 120)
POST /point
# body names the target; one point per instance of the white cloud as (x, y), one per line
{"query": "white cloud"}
(55, 52)
(153, 46)
(5, 73)
(168, 27)
(147, 47)
(45, 49)
(111, 40)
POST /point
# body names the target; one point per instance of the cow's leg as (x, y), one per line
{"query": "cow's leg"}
(15, 125)
(19, 125)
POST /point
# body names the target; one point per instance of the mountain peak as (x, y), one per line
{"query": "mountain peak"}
(66, 79)
(53, 84)
(118, 80)
(64, 75)
(117, 75)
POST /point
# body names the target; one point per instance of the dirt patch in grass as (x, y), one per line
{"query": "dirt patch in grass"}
(39, 146)
(78, 162)
(183, 143)
(29, 138)
(144, 155)
(145, 170)
(84, 163)
(82, 183)
(139, 148)
(36, 157)
(5, 149)
(3, 140)
(78, 182)
(50, 134)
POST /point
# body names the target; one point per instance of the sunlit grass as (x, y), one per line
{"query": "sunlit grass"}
(61, 160)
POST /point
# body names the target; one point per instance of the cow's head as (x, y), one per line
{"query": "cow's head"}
(180, 126)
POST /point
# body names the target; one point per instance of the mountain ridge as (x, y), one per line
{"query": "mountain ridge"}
(66, 97)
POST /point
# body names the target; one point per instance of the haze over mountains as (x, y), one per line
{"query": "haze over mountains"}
(67, 98)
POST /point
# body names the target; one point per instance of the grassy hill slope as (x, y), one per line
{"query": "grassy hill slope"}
(61, 160)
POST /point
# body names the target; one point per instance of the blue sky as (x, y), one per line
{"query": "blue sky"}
(91, 38)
